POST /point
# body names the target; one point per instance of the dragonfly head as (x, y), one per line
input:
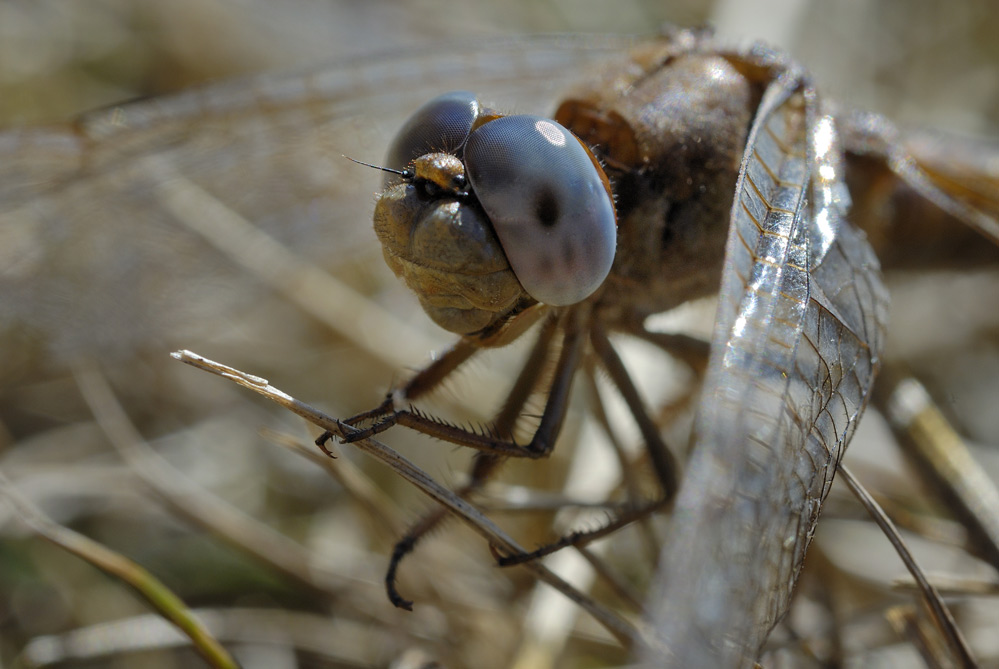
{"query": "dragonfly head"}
(489, 214)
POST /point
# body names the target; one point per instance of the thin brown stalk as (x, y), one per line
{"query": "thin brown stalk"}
(941, 614)
(169, 605)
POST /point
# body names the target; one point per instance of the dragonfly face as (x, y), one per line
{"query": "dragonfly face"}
(524, 178)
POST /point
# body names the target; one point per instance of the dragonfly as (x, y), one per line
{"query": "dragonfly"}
(801, 323)
(144, 156)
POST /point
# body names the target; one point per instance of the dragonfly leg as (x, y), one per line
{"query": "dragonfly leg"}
(490, 439)
(485, 464)
(691, 351)
(424, 381)
(404, 547)
(663, 460)
(582, 538)
(958, 179)
(631, 478)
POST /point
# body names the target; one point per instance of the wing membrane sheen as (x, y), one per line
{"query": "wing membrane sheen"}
(800, 323)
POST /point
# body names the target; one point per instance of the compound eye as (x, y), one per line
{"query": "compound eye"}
(440, 126)
(549, 204)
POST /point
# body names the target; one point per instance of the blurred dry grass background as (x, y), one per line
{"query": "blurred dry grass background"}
(920, 62)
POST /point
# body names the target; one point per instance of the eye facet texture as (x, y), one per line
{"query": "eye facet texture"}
(440, 126)
(548, 204)
(546, 198)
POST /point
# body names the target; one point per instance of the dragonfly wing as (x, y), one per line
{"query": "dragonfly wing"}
(800, 325)
(958, 175)
(966, 169)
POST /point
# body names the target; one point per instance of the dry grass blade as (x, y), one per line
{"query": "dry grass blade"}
(340, 641)
(942, 456)
(944, 619)
(377, 506)
(190, 501)
(149, 587)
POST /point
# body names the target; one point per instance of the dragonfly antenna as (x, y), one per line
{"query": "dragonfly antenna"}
(405, 174)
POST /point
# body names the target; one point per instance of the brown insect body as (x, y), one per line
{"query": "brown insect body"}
(671, 129)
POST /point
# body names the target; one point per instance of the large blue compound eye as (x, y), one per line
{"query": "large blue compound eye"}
(440, 126)
(549, 205)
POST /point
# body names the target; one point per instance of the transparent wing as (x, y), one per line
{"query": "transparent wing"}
(939, 176)
(800, 325)
(82, 205)
(964, 169)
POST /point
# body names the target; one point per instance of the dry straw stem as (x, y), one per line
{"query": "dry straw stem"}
(149, 587)
(941, 614)
(192, 502)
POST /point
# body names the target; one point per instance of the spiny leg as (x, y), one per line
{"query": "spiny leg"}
(423, 382)
(691, 351)
(574, 322)
(663, 461)
(404, 547)
(629, 473)
(526, 383)
(660, 455)
(485, 464)
(581, 538)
